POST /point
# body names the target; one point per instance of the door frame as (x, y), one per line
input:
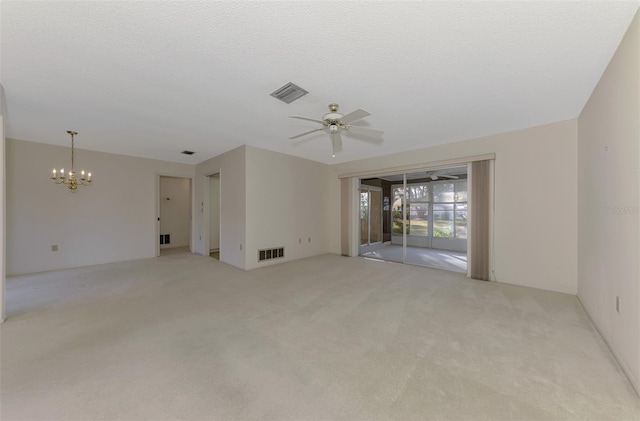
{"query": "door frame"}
(370, 188)
(157, 210)
(206, 212)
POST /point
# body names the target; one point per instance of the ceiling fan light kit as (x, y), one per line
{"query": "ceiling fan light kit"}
(334, 122)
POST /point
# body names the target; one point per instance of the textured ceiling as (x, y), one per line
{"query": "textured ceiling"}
(154, 78)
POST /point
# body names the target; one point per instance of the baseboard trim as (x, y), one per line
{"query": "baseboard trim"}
(625, 369)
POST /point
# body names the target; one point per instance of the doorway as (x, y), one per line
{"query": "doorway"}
(424, 218)
(174, 215)
(370, 215)
(214, 216)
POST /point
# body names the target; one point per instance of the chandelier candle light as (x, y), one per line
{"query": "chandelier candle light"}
(71, 179)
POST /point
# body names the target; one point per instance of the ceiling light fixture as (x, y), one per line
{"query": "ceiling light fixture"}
(71, 180)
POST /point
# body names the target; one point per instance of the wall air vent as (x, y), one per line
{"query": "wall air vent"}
(268, 254)
(187, 152)
(289, 93)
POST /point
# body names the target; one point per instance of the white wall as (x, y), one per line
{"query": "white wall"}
(231, 167)
(175, 210)
(214, 212)
(2, 207)
(609, 204)
(112, 220)
(535, 199)
(289, 201)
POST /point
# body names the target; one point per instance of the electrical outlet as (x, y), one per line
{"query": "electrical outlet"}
(309, 239)
(618, 304)
(54, 247)
(240, 247)
(299, 240)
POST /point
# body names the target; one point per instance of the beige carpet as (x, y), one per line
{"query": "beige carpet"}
(188, 337)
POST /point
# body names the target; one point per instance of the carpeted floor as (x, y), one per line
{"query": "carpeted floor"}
(173, 250)
(188, 337)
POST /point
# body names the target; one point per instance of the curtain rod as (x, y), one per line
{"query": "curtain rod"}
(427, 166)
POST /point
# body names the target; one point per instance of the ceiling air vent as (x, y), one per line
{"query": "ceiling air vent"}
(187, 152)
(289, 93)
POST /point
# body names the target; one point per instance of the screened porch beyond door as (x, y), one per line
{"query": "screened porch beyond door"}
(424, 211)
(441, 259)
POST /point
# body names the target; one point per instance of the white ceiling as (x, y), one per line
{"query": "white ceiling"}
(154, 78)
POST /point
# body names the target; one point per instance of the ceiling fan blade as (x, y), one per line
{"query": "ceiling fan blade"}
(365, 131)
(336, 141)
(307, 118)
(452, 177)
(305, 133)
(354, 115)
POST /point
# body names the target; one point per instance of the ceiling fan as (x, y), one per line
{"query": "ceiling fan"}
(334, 123)
(433, 176)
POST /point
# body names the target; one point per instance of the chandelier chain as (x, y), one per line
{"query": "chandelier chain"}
(72, 152)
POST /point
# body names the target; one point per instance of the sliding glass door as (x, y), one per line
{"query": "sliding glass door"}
(370, 215)
(436, 218)
(423, 219)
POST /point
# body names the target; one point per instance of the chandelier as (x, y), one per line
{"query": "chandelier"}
(71, 179)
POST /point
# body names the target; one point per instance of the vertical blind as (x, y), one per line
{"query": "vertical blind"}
(345, 192)
(480, 213)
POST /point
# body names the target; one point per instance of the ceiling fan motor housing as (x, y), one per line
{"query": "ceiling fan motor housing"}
(335, 122)
(332, 119)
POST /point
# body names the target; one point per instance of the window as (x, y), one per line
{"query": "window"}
(441, 204)
(460, 209)
(443, 220)
(418, 204)
(396, 210)
(450, 209)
